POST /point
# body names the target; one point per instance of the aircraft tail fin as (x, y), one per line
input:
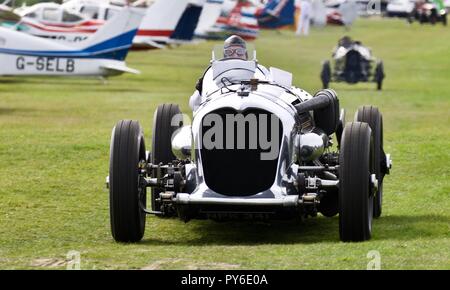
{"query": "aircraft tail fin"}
(210, 14)
(115, 37)
(185, 28)
(276, 14)
(163, 16)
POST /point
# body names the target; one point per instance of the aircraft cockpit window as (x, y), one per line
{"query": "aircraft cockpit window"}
(31, 15)
(110, 13)
(69, 17)
(50, 14)
(90, 11)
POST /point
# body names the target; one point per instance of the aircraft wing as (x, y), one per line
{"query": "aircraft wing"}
(113, 69)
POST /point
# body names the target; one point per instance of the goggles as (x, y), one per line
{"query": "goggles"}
(239, 52)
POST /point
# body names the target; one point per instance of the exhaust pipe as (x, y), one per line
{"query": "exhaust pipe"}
(321, 100)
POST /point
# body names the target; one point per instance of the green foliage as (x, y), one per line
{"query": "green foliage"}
(18, 3)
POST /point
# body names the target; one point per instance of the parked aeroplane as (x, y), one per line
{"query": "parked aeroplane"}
(241, 21)
(210, 13)
(157, 26)
(54, 21)
(342, 12)
(234, 18)
(75, 20)
(184, 31)
(103, 54)
(100, 10)
(276, 14)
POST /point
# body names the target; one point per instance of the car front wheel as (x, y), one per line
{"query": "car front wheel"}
(125, 194)
(355, 186)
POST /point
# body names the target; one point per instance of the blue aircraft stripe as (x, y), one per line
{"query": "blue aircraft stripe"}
(118, 41)
(73, 54)
(114, 48)
(246, 14)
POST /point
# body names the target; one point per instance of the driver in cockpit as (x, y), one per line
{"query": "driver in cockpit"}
(234, 48)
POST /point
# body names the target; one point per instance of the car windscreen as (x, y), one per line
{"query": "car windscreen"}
(218, 52)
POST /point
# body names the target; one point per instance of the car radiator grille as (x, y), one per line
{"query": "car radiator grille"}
(237, 171)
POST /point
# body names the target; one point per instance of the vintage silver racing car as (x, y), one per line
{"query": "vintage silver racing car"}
(257, 148)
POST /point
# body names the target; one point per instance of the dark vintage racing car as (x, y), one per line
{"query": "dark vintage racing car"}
(353, 63)
(257, 148)
(430, 11)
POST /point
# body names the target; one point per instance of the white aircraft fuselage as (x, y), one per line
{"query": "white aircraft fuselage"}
(103, 54)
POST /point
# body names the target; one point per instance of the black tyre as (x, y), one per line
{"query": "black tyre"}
(355, 169)
(127, 150)
(373, 117)
(422, 18)
(162, 141)
(433, 17)
(379, 75)
(410, 18)
(325, 75)
(329, 204)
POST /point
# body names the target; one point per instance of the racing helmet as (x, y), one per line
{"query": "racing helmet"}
(345, 41)
(235, 47)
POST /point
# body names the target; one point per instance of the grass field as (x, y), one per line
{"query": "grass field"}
(54, 151)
